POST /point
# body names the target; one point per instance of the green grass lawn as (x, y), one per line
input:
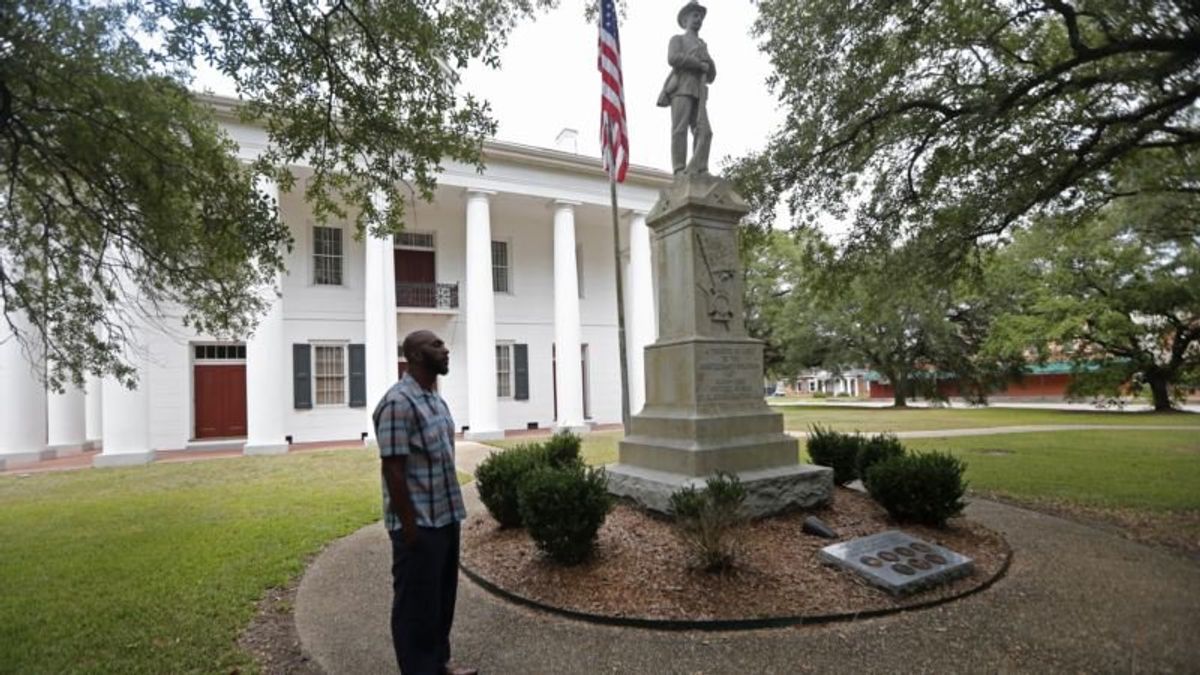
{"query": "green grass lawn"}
(598, 448)
(1143, 470)
(847, 418)
(157, 569)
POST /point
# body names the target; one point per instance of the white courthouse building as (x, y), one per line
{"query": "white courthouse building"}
(513, 267)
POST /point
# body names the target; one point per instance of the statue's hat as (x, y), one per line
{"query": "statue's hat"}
(692, 6)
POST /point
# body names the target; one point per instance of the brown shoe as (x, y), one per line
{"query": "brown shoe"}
(450, 669)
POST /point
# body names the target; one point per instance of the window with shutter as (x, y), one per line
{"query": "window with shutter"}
(501, 268)
(504, 371)
(327, 256)
(358, 375)
(329, 374)
(302, 377)
(521, 372)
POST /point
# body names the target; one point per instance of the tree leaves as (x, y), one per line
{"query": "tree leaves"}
(958, 118)
(1119, 295)
(123, 199)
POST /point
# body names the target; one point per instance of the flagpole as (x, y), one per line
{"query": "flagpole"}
(625, 417)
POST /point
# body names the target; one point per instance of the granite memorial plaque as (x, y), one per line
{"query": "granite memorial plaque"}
(898, 562)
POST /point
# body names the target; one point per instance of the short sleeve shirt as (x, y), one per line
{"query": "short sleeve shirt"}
(413, 422)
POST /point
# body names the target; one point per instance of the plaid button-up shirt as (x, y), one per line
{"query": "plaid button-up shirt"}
(412, 422)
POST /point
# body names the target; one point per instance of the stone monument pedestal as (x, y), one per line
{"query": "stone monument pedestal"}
(705, 410)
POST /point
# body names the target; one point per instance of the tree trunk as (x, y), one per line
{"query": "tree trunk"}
(899, 393)
(1161, 390)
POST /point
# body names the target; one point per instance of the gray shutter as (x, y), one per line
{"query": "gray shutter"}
(358, 376)
(302, 377)
(521, 370)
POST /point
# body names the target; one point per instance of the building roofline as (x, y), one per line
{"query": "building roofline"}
(516, 153)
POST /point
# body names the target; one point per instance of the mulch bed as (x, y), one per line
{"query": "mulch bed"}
(642, 571)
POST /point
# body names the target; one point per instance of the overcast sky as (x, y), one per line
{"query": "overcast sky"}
(548, 80)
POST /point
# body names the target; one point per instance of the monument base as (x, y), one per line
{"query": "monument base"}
(768, 491)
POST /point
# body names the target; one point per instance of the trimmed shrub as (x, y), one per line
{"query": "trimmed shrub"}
(820, 394)
(922, 488)
(499, 477)
(835, 450)
(707, 520)
(562, 450)
(563, 509)
(874, 450)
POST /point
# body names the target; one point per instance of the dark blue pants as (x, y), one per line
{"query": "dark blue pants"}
(425, 586)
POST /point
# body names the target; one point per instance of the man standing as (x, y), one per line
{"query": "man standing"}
(686, 91)
(422, 507)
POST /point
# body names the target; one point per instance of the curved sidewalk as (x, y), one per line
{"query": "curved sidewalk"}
(1075, 599)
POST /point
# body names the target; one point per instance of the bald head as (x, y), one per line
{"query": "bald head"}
(414, 341)
(426, 355)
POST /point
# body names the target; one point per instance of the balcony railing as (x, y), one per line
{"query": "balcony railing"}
(427, 296)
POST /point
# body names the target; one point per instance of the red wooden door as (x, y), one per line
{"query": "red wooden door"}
(415, 267)
(220, 401)
(415, 278)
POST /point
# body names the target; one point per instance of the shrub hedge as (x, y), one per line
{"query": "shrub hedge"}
(563, 509)
(562, 450)
(922, 488)
(835, 450)
(499, 477)
(707, 520)
(874, 450)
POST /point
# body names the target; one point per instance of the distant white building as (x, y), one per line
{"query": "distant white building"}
(513, 267)
(853, 382)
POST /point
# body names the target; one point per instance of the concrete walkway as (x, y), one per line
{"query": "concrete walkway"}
(1075, 599)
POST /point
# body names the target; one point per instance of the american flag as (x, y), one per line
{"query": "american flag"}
(614, 136)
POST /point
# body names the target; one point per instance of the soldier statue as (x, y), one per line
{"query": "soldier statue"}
(686, 92)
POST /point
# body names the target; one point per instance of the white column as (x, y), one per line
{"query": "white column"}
(66, 417)
(380, 315)
(569, 375)
(632, 362)
(267, 378)
(126, 424)
(483, 417)
(23, 411)
(126, 413)
(640, 320)
(95, 410)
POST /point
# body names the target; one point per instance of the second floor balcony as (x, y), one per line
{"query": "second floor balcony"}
(424, 297)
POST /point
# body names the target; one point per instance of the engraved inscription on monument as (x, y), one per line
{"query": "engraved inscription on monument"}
(728, 372)
(898, 562)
